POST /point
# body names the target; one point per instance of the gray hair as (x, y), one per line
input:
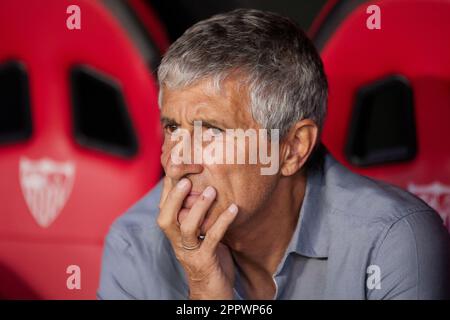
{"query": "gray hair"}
(282, 68)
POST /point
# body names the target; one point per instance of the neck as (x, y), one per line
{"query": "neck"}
(259, 252)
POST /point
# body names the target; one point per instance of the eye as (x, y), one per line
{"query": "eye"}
(214, 130)
(171, 128)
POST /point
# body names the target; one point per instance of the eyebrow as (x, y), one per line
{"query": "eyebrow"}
(205, 123)
(166, 121)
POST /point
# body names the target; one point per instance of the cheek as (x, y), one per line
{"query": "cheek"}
(231, 184)
(242, 185)
(165, 152)
(251, 190)
(218, 176)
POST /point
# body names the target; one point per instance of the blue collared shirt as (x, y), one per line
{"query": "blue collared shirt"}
(356, 238)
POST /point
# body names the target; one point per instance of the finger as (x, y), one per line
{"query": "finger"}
(172, 205)
(218, 229)
(190, 226)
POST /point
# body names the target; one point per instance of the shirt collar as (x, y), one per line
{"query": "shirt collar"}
(311, 235)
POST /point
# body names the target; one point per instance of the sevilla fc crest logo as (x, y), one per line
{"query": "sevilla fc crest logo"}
(46, 186)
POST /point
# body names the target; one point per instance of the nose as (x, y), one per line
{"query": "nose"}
(178, 169)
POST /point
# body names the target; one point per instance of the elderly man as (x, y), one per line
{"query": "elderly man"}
(307, 229)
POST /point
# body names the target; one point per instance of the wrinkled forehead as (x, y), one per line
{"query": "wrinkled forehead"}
(227, 102)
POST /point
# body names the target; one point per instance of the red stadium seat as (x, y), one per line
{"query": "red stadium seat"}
(389, 99)
(79, 136)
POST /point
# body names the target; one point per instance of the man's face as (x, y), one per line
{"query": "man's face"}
(242, 184)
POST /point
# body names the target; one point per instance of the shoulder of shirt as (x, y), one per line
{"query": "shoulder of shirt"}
(367, 199)
(360, 207)
(138, 223)
(358, 214)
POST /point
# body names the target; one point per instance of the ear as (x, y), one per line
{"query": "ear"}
(297, 146)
